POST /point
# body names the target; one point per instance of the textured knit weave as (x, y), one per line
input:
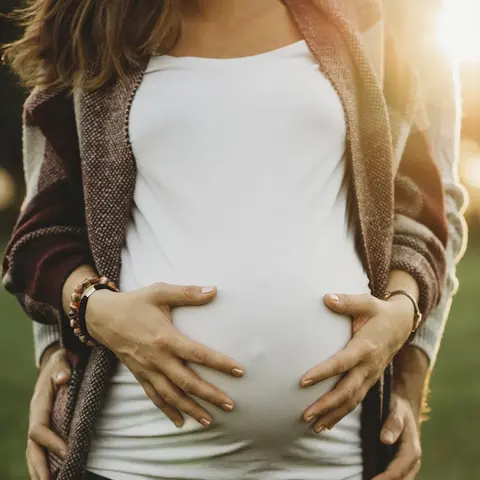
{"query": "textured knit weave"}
(389, 159)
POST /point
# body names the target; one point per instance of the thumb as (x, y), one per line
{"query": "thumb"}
(177, 295)
(61, 370)
(352, 305)
(393, 426)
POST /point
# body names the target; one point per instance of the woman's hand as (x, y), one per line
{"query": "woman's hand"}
(402, 427)
(380, 329)
(137, 327)
(54, 372)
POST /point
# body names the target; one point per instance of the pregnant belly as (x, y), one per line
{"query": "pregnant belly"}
(271, 318)
(278, 328)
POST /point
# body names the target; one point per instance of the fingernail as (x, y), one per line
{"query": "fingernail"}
(319, 429)
(179, 423)
(208, 289)
(205, 422)
(333, 297)
(227, 407)
(237, 372)
(61, 376)
(307, 383)
(388, 436)
(310, 418)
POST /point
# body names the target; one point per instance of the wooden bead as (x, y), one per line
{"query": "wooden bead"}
(74, 305)
(76, 297)
(103, 281)
(72, 314)
(77, 332)
(78, 289)
(73, 323)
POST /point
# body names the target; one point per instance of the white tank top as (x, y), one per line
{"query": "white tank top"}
(241, 184)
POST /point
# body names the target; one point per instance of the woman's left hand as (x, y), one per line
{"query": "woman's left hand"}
(380, 329)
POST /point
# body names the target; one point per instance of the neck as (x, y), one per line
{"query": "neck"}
(227, 9)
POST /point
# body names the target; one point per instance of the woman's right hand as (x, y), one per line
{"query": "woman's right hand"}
(137, 327)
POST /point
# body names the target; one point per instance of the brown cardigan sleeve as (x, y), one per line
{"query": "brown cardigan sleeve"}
(420, 222)
(49, 240)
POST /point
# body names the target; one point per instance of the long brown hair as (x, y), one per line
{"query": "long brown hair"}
(65, 40)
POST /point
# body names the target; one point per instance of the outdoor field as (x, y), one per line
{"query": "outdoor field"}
(451, 437)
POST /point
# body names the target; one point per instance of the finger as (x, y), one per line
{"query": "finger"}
(165, 293)
(352, 305)
(62, 377)
(330, 419)
(41, 404)
(171, 412)
(197, 353)
(402, 466)
(190, 382)
(43, 436)
(415, 471)
(32, 474)
(61, 370)
(37, 462)
(407, 458)
(346, 390)
(359, 321)
(176, 398)
(340, 363)
(393, 426)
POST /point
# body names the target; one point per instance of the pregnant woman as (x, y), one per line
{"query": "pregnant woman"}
(241, 172)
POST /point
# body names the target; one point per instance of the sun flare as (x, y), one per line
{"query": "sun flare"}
(458, 29)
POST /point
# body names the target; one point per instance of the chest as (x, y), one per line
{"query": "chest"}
(271, 116)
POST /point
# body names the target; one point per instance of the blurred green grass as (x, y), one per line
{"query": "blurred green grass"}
(451, 437)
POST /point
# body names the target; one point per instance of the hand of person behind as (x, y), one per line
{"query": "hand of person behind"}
(54, 372)
(137, 327)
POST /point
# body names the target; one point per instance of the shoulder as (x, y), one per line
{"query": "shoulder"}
(40, 99)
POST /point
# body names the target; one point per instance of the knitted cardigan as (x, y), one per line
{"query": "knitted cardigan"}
(80, 173)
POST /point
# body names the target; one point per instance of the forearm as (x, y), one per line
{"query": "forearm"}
(401, 280)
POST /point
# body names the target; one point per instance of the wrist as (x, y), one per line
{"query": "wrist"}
(415, 316)
(98, 306)
(75, 278)
(404, 313)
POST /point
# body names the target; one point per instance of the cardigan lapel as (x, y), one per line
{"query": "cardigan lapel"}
(331, 29)
(108, 167)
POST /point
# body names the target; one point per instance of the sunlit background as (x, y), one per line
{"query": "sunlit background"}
(451, 437)
(458, 31)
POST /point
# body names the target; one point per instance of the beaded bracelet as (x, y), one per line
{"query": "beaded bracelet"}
(77, 321)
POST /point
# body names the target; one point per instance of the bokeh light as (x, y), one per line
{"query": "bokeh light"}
(7, 189)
